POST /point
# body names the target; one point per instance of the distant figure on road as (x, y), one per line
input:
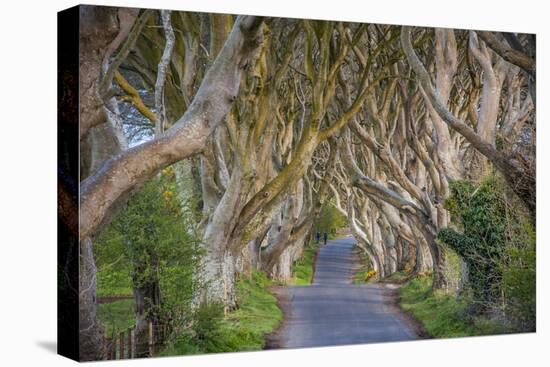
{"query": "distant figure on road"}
(325, 237)
(318, 236)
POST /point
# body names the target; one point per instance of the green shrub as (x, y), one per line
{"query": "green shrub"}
(519, 286)
(493, 235)
(243, 329)
(207, 320)
(154, 243)
(479, 210)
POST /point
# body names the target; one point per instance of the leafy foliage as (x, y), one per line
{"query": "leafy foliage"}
(330, 220)
(480, 211)
(497, 243)
(117, 316)
(240, 330)
(152, 241)
(519, 286)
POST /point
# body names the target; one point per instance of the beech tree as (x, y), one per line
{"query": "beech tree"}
(280, 118)
(110, 185)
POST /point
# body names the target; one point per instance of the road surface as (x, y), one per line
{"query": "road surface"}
(333, 311)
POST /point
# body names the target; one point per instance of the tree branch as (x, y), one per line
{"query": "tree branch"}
(509, 54)
(103, 192)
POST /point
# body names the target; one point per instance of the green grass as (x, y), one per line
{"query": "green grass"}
(258, 313)
(243, 329)
(303, 269)
(442, 315)
(114, 282)
(117, 316)
(360, 276)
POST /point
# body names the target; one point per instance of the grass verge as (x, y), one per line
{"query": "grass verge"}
(442, 315)
(304, 268)
(243, 329)
(361, 274)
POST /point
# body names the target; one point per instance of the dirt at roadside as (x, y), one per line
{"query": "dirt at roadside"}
(392, 294)
(273, 340)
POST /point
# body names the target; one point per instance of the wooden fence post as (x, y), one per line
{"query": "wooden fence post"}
(113, 347)
(129, 343)
(121, 346)
(150, 338)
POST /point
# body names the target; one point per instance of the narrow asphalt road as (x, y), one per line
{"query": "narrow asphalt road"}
(333, 311)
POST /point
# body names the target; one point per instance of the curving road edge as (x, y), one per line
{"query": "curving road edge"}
(333, 311)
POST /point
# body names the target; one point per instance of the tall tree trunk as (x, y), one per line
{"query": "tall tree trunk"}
(91, 333)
